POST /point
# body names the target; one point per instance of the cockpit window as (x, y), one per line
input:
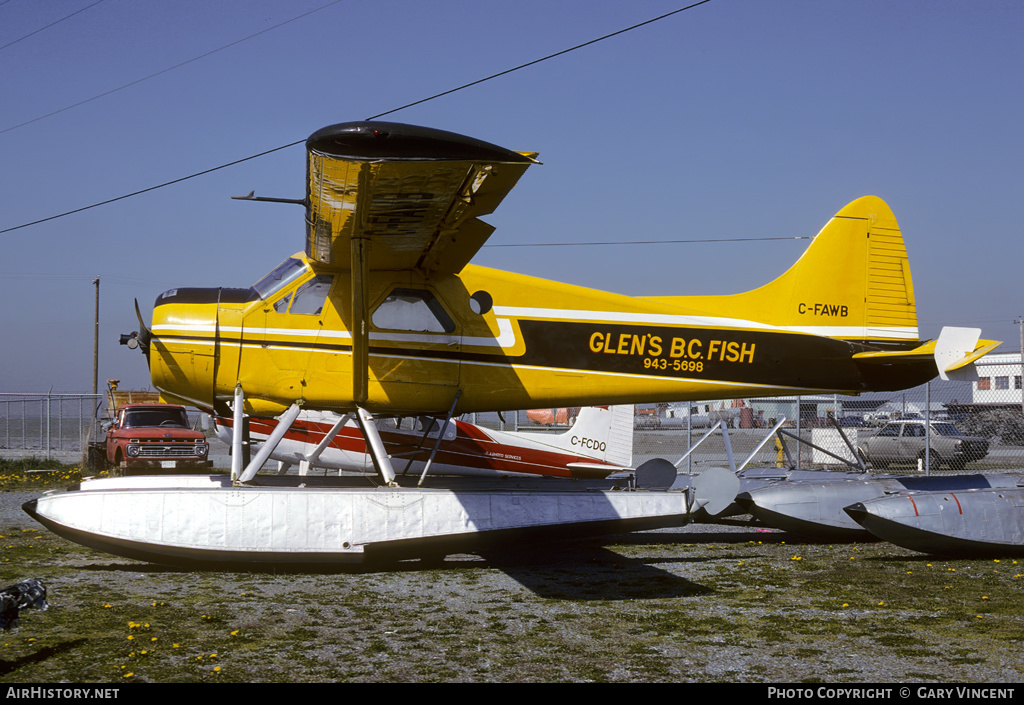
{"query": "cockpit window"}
(283, 274)
(310, 297)
(413, 310)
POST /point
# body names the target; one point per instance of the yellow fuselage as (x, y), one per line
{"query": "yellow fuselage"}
(540, 344)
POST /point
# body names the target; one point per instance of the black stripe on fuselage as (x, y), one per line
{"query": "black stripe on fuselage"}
(767, 358)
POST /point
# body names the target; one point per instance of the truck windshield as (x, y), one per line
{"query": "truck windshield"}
(284, 273)
(138, 418)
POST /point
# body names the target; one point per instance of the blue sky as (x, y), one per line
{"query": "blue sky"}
(735, 119)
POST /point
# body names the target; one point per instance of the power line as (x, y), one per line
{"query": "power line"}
(151, 188)
(162, 71)
(297, 142)
(650, 242)
(537, 61)
(49, 25)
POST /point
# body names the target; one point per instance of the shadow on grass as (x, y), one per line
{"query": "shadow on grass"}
(39, 656)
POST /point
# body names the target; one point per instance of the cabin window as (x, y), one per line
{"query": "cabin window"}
(282, 304)
(413, 310)
(283, 274)
(310, 298)
(1002, 382)
(984, 383)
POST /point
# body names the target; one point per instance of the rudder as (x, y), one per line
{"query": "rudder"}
(853, 282)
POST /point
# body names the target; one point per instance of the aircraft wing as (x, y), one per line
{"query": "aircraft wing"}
(412, 194)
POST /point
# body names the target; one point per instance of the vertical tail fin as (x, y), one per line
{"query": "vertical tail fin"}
(852, 282)
(601, 432)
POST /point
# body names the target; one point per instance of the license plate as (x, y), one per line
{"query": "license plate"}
(168, 463)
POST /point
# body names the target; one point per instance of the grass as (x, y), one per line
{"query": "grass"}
(660, 606)
(22, 474)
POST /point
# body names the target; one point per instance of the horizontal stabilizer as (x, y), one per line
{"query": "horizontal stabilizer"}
(593, 470)
(955, 349)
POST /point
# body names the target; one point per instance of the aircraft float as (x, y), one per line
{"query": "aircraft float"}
(967, 523)
(821, 509)
(383, 314)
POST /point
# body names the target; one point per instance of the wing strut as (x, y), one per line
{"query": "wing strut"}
(314, 455)
(360, 335)
(283, 425)
(360, 268)
(440, 438)
(237, 434)
(375, 445)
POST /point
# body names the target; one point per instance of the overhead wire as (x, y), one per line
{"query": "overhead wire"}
(297, 142)
(41, 29)
(649, 242)
(162, 71)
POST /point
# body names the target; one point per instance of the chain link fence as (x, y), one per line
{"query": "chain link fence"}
(48, 425)
(940, 427)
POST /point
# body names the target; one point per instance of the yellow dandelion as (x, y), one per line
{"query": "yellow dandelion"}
(216, 669)
(128, 675)
(846, 604)
(235, 633)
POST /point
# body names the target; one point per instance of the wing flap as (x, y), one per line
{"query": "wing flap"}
(413, 192)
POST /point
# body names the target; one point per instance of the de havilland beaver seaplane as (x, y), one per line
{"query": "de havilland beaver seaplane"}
(382, 314)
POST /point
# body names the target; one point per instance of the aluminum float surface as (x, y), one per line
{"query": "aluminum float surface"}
(206, 520)
(970, 523)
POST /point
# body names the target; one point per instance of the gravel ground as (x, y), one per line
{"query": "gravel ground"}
(709, 603)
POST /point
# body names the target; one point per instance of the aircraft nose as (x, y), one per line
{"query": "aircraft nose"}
(857, 512)
(745, 501)
(184, 345)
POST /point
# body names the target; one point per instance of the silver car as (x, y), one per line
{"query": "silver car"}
(904, 442)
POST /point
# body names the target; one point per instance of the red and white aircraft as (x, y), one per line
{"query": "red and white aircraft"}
(599, 443)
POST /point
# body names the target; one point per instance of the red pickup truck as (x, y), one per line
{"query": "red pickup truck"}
(153, 436)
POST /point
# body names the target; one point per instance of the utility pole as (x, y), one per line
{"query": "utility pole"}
(1020, 322)
(96, 338)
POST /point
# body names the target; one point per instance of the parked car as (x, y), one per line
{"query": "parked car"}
(904, 441)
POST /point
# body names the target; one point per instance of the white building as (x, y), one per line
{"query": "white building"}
(999, 380)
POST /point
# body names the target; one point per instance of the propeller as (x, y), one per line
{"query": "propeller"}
(136, 339)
